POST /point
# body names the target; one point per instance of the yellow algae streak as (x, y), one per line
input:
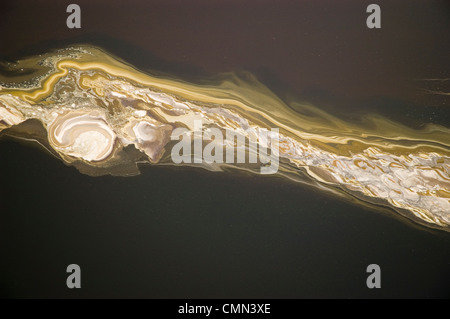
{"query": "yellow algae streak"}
(104, 117)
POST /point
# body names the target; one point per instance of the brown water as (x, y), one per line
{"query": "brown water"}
(188, 233)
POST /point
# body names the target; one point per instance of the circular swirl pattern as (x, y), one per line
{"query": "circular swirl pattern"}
(81, 135)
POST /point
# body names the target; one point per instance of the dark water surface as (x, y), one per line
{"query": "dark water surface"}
(188, 233)
(180, 232)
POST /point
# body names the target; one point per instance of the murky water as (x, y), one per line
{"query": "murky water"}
(188, 232)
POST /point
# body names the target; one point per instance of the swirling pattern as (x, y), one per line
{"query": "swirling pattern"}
(94, 108)
(148, 136)
(81, 135)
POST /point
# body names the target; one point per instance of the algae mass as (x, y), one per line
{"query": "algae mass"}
(103, 116)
